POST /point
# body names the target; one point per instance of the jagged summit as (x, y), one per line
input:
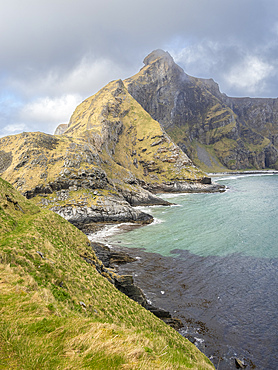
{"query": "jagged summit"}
(216, 131)
(158, 54)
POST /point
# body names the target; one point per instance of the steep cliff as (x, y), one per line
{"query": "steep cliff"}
(65, 175)
(217, 132)
(111, 156)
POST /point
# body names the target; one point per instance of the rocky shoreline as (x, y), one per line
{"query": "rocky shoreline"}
(110, 259)
(101, 208)
(125, 283)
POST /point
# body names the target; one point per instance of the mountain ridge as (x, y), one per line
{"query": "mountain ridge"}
(110, 157)
(236, 133)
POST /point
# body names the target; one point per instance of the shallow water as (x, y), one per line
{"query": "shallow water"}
(212, 261)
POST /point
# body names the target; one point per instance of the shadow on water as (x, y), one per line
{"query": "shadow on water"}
(228, 305)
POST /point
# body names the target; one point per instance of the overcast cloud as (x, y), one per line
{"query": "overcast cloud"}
(56, 53)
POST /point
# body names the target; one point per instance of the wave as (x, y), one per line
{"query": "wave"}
(156, 221)
(108, 231)
(173, 195)
(239, 176)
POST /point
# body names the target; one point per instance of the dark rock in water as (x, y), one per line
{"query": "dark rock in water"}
(174, 323)
(239, 364)
(164, 316)
(108, 257)
(206, 180)
(119, 258)
(190, 338)
(102, 252)
(126, 285)
(159, 312)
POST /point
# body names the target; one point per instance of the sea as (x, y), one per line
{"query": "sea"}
(212, 261)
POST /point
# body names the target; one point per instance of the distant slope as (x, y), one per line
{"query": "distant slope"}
(56, 311)
(215, 131)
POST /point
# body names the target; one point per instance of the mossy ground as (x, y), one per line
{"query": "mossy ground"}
(56, 311)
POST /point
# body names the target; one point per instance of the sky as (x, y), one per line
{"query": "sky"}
(56, 53)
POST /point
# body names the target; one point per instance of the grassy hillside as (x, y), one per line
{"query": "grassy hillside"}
(127, 136)
(57, 312)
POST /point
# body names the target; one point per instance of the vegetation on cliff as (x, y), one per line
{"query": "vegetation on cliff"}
(105, 161)
(57, 311)
(234, 133)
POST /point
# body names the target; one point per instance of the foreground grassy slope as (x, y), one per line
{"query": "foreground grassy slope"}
(56, 311)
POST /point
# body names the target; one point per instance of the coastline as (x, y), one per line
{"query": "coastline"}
(251, 172)
(162, 296)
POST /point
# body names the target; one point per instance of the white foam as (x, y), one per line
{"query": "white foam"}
(199, 340)
(156, 221)
(173, 195)
(239, 176)
(106, 232)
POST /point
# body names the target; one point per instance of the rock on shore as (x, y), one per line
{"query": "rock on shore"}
(125, 283)
(111, 157)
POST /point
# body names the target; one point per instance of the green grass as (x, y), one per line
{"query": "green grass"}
(42, 323)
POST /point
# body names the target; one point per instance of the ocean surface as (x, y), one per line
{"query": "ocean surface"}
(212, 261)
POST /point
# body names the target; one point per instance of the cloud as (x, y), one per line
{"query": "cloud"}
(85, 78)
(42, 114)
(58, 51)
(49, 99)
(47, 111)
(238, 70)
(250, 75)
(12, 129)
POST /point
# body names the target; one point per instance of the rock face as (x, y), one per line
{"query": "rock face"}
(125, 283)
(217, 132)
(110, 157)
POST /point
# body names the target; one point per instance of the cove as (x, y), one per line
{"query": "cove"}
(242, 220)
(211, 260)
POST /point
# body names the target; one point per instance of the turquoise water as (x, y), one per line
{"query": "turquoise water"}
(212, 261)
(242, 220)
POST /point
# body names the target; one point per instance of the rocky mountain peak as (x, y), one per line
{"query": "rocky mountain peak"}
(216, 131)
(158, 54)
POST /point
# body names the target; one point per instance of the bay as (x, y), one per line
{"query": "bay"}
(212, 259)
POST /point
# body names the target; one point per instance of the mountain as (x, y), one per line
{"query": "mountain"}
(110, 157)
(58, 312)
(216, 131)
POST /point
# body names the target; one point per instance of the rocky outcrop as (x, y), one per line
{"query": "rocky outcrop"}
(110, 157)
(217, 132)
(106, 209)
(186, 187)
(61, 129)
(143, 197)
(84, 179)
(110, 257)
(125, 283)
